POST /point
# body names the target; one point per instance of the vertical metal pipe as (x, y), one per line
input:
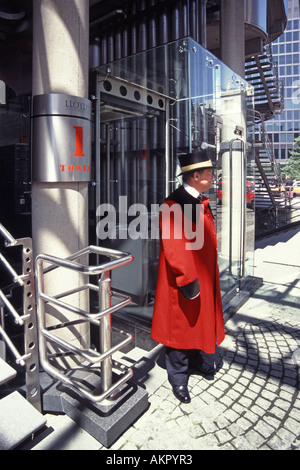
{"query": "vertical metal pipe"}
(97, 146)
(133, 32)
(142, 28)
(230, 208)
(167, 151)
(185, 18)
(163, 26)
(125, 173)
(108, 171)
(197, 14)
(243, 211)
(152, 28)
(94, 52)
(105, 330)
(232, 27)
(175, 21)
(41, 320)
(193, 19)
(153, 132)
(118, 44)
(133, 181)
(133, 134)
(119, 166)
(103, 52)
(154, 177)
(202, 26)
(110, 47)
(125, 43)
(112, 162)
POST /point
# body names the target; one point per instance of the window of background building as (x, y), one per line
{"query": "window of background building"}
(282, 137)
(288, 37)
(286, 53)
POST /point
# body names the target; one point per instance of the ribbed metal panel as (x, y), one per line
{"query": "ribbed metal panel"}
(144, 24)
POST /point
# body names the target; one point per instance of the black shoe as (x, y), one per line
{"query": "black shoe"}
(181, 393)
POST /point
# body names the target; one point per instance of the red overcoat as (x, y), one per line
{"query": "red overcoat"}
(179, 320)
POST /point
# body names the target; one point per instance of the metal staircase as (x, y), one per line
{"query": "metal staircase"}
(106, 401)
(269, 184)
(272, 199)
(20, 417)
(262, 72)
(19, 420)
(273, 203)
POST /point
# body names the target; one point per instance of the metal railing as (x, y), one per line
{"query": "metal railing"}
(88, 360)
(29, 358)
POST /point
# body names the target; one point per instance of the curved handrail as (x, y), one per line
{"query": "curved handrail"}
(90, 357)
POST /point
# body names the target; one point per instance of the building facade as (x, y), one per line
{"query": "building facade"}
(284, 129)
(164, 78)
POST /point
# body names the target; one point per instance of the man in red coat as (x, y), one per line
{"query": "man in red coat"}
(188, 315)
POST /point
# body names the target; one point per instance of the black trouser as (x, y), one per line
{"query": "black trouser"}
(177, 364)
(180, 362)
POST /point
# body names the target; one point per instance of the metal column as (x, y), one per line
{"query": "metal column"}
(105, 330)
(28, 319)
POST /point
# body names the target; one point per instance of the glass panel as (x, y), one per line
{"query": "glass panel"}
(15, 168)
(226, 101)
(155, 106)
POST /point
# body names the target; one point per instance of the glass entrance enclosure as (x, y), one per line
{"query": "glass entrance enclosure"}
(151, 108)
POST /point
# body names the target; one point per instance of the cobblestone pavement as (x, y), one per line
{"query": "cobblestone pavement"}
(253, 401)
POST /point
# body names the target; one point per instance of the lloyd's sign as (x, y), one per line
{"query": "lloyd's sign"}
(61, 138)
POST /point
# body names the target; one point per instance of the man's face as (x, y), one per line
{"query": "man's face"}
(203, 180)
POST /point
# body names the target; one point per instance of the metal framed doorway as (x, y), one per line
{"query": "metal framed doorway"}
(151, 108)
(132, 175)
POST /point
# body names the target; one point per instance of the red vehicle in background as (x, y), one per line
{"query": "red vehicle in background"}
(250, 195)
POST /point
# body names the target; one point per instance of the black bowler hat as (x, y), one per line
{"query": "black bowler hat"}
(194, 161)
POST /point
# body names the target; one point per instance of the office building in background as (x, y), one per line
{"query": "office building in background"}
(285, 127)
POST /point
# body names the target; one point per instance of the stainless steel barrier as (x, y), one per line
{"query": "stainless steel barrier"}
(29, 358)
(91, 360)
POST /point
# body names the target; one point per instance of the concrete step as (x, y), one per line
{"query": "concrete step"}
(7, 373)
(18, 421)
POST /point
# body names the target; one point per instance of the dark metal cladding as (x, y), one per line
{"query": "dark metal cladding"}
(144, 24)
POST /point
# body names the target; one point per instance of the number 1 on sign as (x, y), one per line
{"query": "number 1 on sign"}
(78, 141)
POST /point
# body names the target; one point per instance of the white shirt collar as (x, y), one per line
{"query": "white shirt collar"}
(192, 191)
